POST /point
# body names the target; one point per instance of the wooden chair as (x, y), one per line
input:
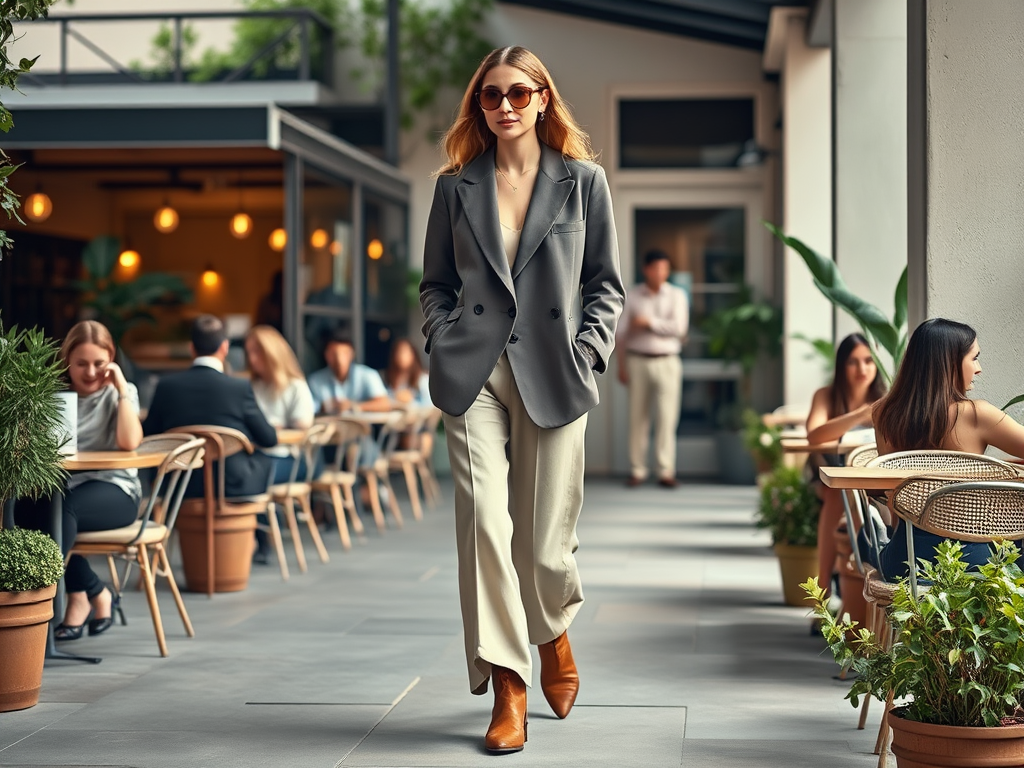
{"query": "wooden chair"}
(376, 474)
(409, 460)
(428, 475)
(299, 489)
(339, 479)
(134, 543)
(221, 443)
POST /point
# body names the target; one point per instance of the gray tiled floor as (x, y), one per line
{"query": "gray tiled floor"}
(688, 658)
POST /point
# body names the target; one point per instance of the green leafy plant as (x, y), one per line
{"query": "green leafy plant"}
(959, 652)
(823, 350)
(12, 11)
(789, 508)
(764, 442)
(120, 306)
(890, 335)
(31, 374)
(28, 560)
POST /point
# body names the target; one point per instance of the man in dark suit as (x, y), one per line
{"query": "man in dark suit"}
(204, 395)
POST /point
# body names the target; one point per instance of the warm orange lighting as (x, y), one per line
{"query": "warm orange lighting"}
(375, 249)
(166, 219)
(319, 238)
(241, 225)
(335, 248)
(278, 239)
(210, 278)
(38, 207)
(129, 259)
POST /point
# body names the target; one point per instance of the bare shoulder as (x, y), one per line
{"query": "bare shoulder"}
(981, 412)
(820, 396)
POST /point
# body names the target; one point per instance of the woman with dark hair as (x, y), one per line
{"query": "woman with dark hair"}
(404, 377)
(928, 409)
(521, 293)
(843, 405)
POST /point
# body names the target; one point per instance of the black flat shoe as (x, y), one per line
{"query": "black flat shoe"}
(64, 632)
(99, 626)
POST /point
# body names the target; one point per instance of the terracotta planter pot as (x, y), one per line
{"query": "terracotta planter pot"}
(232, 546)
(851, 585)
(921, 745)
(23, 620)
(797, 565)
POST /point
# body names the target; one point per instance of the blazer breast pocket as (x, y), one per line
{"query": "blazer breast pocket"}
(564, 227)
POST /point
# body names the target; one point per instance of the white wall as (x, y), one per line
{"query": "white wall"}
(967, 177)
(806, 201)
(870, 152)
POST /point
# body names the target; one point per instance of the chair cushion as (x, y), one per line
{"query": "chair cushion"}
(153, 534)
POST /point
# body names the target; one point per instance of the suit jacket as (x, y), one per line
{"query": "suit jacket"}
(202, 395)
(564, 288)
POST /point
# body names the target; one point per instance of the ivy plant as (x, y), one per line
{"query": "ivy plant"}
(11, 12)
(959, 652)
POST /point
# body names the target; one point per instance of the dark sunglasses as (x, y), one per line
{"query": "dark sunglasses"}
(519, 96)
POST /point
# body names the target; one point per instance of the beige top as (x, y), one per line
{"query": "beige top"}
(669, 313)
(510, 237)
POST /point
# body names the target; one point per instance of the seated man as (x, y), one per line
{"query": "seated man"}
(204, 395)
(344, 384)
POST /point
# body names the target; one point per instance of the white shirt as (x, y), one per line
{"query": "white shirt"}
(209, 361)
(290, 408)
(669, 313)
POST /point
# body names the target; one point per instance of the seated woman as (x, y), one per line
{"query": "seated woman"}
(404, 376)
(108, 419)
(281, 390)
(928, 409)
(843, 405)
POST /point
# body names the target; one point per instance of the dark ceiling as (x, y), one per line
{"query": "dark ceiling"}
(742, 23)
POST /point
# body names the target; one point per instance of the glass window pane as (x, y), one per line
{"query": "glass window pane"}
(386, 256)
(684, 133)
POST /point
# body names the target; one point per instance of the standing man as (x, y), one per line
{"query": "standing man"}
(650, 337)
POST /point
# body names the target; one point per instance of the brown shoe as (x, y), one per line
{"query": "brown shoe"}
(668, 482)
(508, 718)
(558, 676)
(632, 481)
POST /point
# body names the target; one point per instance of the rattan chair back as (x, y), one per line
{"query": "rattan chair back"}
(862, 455)
(976, 511)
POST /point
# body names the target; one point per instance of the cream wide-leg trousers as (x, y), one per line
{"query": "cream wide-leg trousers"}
(655, 385)
(518, 496)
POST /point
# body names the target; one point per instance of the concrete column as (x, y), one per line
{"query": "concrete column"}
(869, 74)
(966, 177)
(806, 79)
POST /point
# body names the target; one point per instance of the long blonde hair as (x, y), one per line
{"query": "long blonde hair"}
(469, 137)
(88, 332)
(278, 359)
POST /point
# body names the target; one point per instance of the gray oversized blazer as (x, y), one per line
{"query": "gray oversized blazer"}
(563, 289)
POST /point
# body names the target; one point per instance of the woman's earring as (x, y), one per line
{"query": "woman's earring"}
(540, 117)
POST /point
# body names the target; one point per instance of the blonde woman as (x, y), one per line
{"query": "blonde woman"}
(280, 388)
(521, 293)
(108, 420)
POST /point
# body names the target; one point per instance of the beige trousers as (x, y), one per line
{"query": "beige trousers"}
(655, 385)
(518, 495)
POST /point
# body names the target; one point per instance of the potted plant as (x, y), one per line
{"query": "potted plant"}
(30, 466)
(789, 509)
(763, 442)
(740, 334)
(958, 661)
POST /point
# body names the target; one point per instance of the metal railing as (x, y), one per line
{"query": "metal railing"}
(309, 26)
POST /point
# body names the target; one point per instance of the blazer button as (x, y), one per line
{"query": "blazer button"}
(513, 339)
(556, 313)
(511, 311)
(479, 309)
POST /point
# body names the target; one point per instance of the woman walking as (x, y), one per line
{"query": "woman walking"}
(521, 293)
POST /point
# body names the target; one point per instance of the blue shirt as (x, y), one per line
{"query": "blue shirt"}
(363, 383)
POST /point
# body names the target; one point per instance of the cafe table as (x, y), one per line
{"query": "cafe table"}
(290, 436)
(800, 445)
(80, 462)
(867, 478)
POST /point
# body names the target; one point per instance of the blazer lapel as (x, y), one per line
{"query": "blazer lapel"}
(480, 200)
(550, 193)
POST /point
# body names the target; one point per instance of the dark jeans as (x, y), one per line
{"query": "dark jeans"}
(92, 506)
(893, 557)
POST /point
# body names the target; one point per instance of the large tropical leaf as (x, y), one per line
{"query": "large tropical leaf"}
(899, 319)
(100, 256)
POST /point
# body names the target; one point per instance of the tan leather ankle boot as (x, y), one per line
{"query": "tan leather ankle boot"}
(558, 676)
(508, 718)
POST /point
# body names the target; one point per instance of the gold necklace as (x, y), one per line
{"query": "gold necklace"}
(514, 187)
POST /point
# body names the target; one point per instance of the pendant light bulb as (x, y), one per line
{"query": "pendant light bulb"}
(166, 219)
(241, 225)
(38, 207)
(278, 239)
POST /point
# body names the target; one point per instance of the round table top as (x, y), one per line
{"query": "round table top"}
(290, 436)
(366, 417)
(92, 460)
